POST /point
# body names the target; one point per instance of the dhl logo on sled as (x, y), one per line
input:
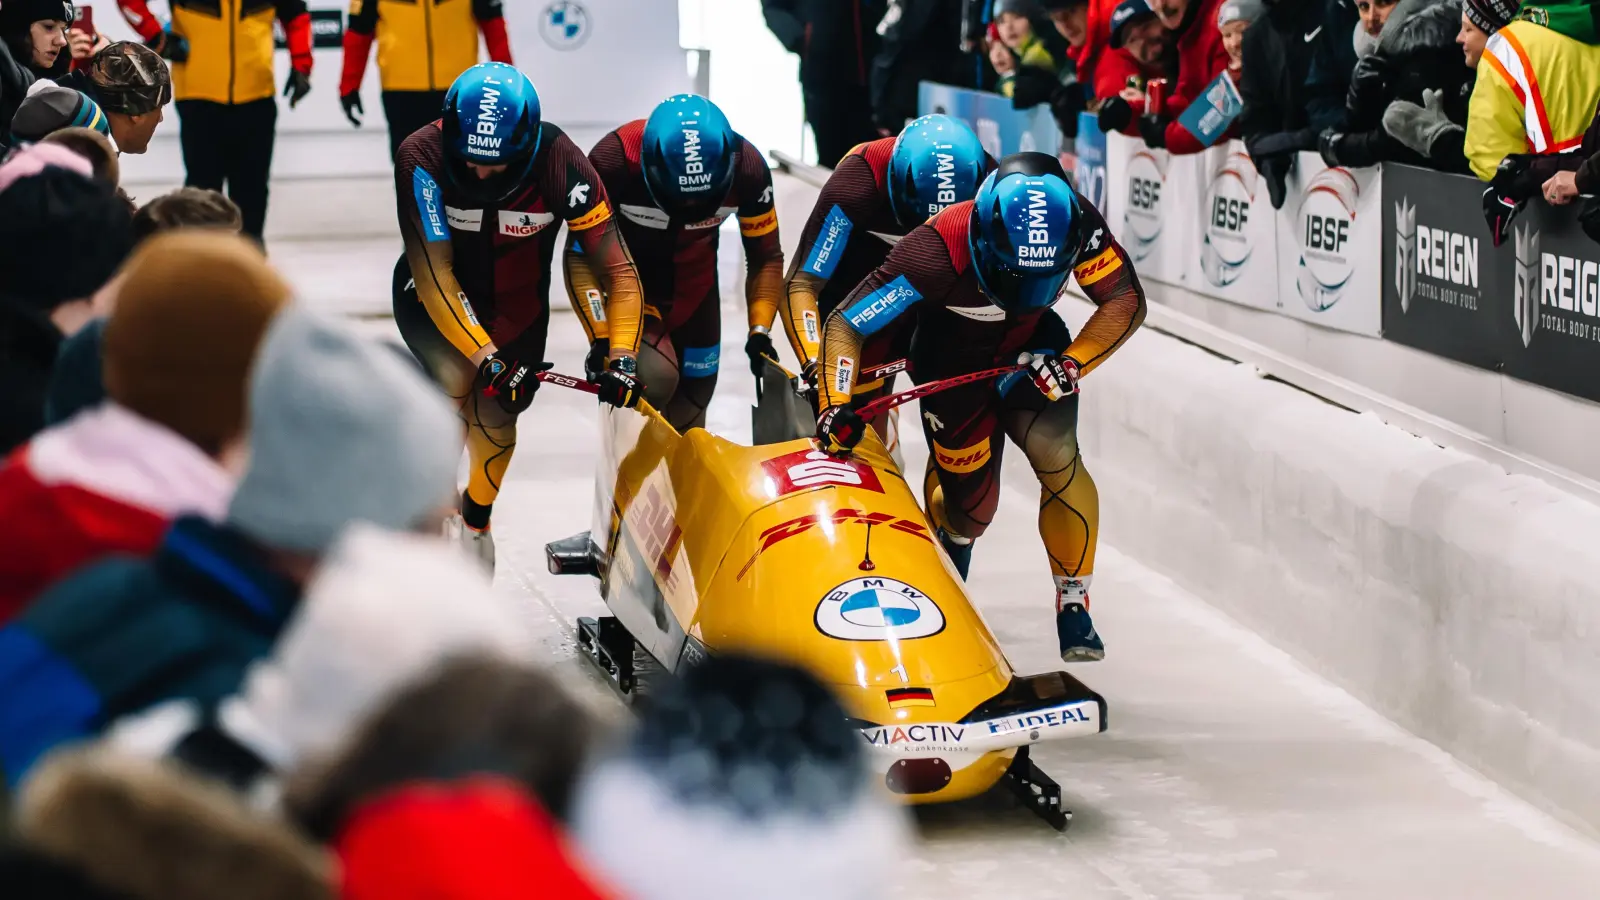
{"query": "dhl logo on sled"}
(704, 545)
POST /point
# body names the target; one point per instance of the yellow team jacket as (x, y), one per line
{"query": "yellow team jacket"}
(1537, 92)
(422, 44)
(230, 48)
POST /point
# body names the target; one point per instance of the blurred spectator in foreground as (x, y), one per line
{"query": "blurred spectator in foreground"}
(475, 839)
(76, 383)
(743, 778)
(384, 609)
(421, 51)
(920, 41)
(191, 311)
(36, 33)
(133, 86)
(340, 430)
(1277, 122)
(1201, 57)
(91, 825)
(1531, 68)
(96, 148)
(1417, 57)
(50, 107)
(1436, 129)
(836, 41)
(1138, 46)
(63, 234)
(472, 715)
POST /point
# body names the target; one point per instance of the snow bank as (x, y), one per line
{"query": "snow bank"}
(1456, 599)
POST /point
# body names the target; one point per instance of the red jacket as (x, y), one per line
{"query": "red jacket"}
(1111, 76)
(1200, 58)
(106, 481)
(1180, 141)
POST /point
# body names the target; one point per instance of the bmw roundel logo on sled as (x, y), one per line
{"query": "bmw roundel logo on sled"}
(565, 25)
(877, 609)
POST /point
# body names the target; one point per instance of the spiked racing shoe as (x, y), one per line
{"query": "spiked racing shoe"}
(1075, 630)
(476, 544)
(959, 549)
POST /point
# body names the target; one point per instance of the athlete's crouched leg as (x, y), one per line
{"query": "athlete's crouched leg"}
(962, 488)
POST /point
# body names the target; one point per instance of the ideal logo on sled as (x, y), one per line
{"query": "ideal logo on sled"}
(813, 468)
(877, 609)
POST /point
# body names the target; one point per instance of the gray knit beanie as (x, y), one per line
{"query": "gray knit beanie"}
(340, 430)
(1239, 10)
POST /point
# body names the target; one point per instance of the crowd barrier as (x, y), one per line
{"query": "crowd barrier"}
(1425, 275)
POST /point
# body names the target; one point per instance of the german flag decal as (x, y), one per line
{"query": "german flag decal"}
(903, 697)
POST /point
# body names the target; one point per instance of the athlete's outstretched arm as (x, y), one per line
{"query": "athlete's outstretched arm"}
(432, 261)
(758, 228)
(1106, 274)
(359, 33)
(575, 189)
(850, 196)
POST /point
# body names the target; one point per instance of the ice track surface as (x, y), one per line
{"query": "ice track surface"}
(1229, 771)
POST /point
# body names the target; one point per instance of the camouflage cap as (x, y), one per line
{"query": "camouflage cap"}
(130, 78)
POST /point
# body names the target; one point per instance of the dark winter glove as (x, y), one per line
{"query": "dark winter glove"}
(1418, 127)
(1032, 86)
(297, 87)
(1518, 177)
(352, 105)
(1154, 130)
(1115, 114)
(1369, 85)
(1499, 211)
(840, 428)
(1275, 172)
(1589, 219)
(620, 384)
(759, 348)
(1055, 376)
(511, 382)
(1066, 103)
(170, 46)
(1328, 145)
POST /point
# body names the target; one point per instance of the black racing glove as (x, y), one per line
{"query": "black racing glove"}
(1115, 114)
(297, 87)
(352, 105)
(170, 46)
(620, 384)
(511, 382)
(1154, 130)
(1498, 211)
(840, 428)
(595, 361)
(759, 348)
(1032, 86)
(1328, 145)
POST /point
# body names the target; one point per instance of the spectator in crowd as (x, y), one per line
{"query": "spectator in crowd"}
(1342, 38)
(96, 148)
(1233, 17)
(15, 79)
(472, 839)
(742, 779)
(472, 715)
(836, 41)
(1136, 53)
(76, 384)
(63, 234)
(1436, 129)
(340, 430)
(1277, 121)
(1200, 57)
(373, 620)
(1416, 53)
(1068, 89)
(133, 86)
(224, 90)
(919, 40)
(36, 33)
(167, 441)
(421, 52)
(50, 108)
(1582, 178)
(92, 825)
(1538, 94)
(1015, 48)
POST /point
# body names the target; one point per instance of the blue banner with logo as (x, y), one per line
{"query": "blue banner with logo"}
(1001, 129)
(1090, 173)
(1209, 116)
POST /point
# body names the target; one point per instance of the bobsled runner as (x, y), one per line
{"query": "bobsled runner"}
(702, 545)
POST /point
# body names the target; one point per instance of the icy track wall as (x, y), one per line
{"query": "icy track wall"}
(1456, 599)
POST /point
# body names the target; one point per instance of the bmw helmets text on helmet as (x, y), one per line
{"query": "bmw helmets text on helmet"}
(491, 119)
(688, 154)
(936, 162)
(1023, 232)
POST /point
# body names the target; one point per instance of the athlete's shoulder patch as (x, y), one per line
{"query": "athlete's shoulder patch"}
(873, 310)
(430, 206)
(829, 245)
(1092, 270)
(876, 155)
(954, 223)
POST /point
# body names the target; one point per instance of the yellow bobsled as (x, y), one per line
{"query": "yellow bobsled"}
(704, 545)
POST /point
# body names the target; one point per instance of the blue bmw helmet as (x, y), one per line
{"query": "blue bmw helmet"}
(937, 161)
(491, 118)
(1024, 232)
(688, 157)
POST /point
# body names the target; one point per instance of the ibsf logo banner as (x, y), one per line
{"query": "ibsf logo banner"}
(1332, 246)
(1141, 217)
(1226, 240)
(1326, 217)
